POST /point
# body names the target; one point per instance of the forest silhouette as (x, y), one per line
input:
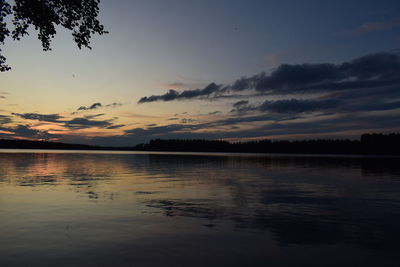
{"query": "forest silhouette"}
(384, 144)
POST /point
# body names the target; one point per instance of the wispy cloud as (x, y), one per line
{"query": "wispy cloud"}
(177, 85)
(113, 105)
(88, 121)
(375, 26)
(97, 106)
(2, 95)
(83, 123)
(26, 131)
(116, 126)
(4, 119)
(94, 116)
(40, 117)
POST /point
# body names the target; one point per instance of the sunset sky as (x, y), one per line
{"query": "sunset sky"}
(235, 70)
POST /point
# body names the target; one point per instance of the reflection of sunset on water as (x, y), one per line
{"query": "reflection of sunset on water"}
(85, 201)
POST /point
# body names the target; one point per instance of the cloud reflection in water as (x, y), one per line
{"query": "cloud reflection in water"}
(291, 203)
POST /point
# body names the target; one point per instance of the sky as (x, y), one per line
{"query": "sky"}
(232, 70)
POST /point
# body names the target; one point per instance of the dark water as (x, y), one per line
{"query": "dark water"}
(118, 209)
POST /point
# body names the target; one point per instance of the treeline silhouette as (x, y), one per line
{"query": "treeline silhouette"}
(385, 144)
(388, 144)
(27, 144)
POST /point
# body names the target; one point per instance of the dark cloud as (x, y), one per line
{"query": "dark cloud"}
(93, 106)
(214, 112)
(39, 117)
(188, 131)
(242, 106)
(26, 131)
(335, 103)
(381, 66)
(241, 103)
(161, 130)
(4, 119)
(298, 106)
(75, 123)
(155, 131)
(208, 90)
(287, 77)
(97, 106)
(375, 106)
(373, 70)
(171, 95)
(238, 120)
(117, 126)
(370, 71)
(2, 97)
(83, 123)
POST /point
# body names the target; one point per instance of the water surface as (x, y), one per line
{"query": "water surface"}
(71, 208)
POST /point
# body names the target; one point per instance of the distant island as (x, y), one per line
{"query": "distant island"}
(380, 144)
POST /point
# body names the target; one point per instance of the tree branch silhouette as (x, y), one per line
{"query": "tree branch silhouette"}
(78, 16)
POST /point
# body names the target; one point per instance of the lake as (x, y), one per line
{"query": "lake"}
(82, 208)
